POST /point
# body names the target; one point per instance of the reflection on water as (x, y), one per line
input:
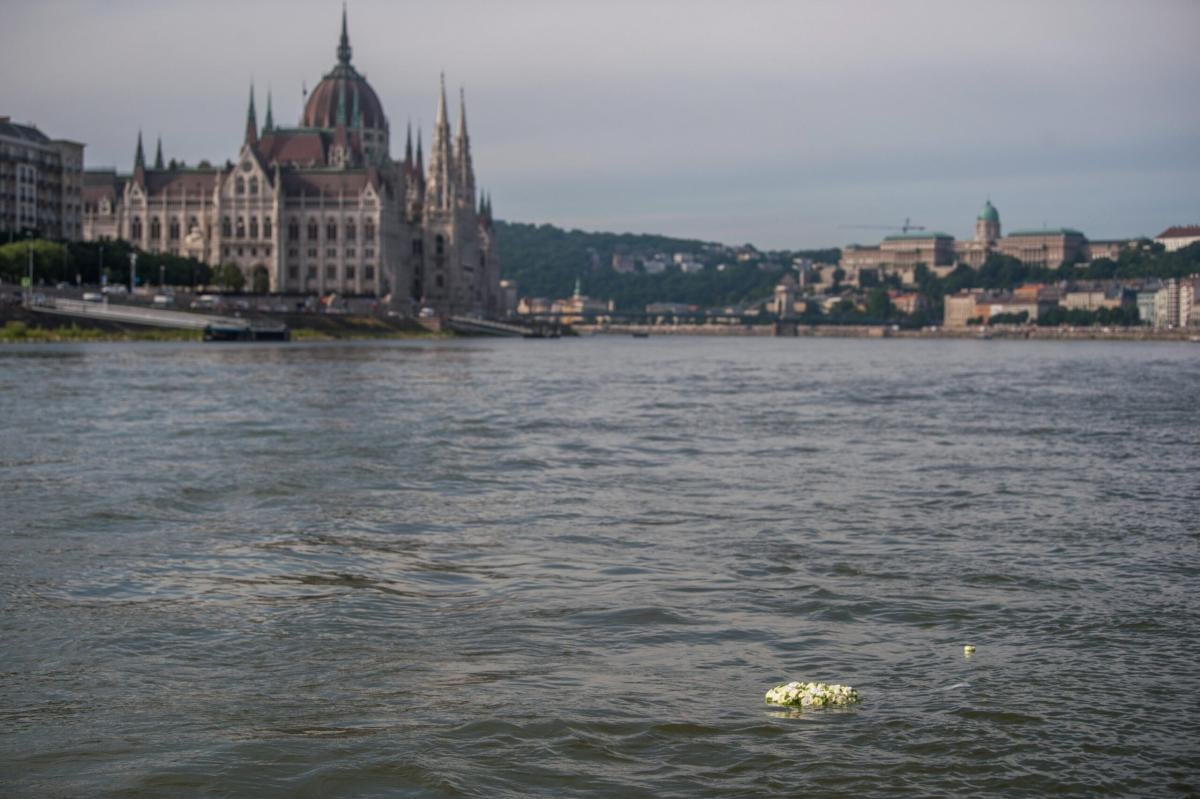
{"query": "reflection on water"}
(510, 568)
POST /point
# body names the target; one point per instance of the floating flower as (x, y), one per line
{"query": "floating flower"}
(812, 695)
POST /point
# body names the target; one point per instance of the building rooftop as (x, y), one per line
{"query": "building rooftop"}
(1179, 232)
(917, 236)
(1058, 231)
(27, 133)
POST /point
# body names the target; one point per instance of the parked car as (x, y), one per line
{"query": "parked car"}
(93, 296)
(164, 301)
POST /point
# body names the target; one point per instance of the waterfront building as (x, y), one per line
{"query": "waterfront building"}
(1147, 305)
(1177, 237)
(941, 253)
(322, 206)
(41, 181)
(575, 307)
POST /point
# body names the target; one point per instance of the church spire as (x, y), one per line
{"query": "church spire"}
(139, 162)
(408, 151)
(442, 188)
(251, 121)
(420, 154)
(269, 122)
(466, 171)
(343, 51)
(158, 159)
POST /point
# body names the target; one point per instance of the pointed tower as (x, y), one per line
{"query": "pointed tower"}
(462, 146)
(441, 191)
(139, 163)
(343, 51)
(420, 157)
(408, 150)
(251, 121)
(158, 159)
(269, 122)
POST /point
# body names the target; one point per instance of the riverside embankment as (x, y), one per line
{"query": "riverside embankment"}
(792, 330)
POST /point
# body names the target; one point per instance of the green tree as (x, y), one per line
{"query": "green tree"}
(230, 278)
(879, 304)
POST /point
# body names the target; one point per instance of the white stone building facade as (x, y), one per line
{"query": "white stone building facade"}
(320, 207)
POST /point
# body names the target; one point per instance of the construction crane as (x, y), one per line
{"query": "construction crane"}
(907, 226)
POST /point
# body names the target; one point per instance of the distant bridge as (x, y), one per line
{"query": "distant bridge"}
(214, 327)
(487, 327)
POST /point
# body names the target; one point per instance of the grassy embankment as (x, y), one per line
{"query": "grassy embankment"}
(17, 332)
(312, 328)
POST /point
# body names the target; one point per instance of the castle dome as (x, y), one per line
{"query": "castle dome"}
(343, 96)
(989, 213)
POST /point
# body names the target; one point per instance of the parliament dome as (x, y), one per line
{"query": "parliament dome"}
(344, 96)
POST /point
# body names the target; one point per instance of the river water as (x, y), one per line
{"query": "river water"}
(572, 568)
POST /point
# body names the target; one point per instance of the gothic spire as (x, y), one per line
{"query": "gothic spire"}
(139, 162)
(408, 151)
(440, 122)
(420, 154)
(466, 172)
(462, 114)
(251, 121)
(269, 122)
(442, 188)
(158, 159)
(343, 51)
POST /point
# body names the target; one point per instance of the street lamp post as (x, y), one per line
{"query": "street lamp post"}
(162, 276)
(132, 272)
(29, 287)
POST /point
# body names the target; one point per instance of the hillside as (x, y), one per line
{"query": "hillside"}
(546, 261)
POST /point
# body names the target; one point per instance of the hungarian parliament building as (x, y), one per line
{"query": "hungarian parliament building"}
(320, 207)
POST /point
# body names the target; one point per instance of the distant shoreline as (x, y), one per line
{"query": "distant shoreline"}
(1000, 332)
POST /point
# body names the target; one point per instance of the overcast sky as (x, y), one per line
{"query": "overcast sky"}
(778, 122)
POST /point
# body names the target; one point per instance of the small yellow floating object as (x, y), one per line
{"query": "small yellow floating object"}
(968, 650)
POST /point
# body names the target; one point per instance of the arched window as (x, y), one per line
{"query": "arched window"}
(239, 185)
(193, 224)
(254, 227)
(331, 230)
(173, 229)
(313, 231)
(368, 231)
(254, 185)
(241, 227)
(135, 228)
(155, 228)
(293, 229)
(226, 227)
(350, 231)
(439, 245)
(266, 227)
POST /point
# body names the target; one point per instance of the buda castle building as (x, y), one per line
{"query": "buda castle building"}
(941, 253)
(320, 207)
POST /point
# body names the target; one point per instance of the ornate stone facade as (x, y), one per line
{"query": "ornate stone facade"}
(940, 253)
(321, 207)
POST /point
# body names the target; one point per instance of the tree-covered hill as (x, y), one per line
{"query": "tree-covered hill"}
(546, 261)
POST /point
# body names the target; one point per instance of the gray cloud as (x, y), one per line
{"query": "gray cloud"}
(776, 122)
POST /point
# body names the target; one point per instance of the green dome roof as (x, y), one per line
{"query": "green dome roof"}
(989, 213)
